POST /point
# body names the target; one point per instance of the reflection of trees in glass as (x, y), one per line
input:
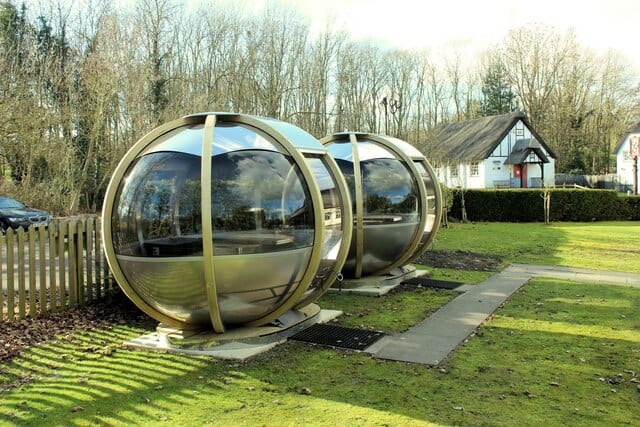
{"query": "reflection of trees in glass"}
(257, 189)
(159, 198)
(376, 204)
(388, 187)
(156, 205)
(190, 207)
(346, 167)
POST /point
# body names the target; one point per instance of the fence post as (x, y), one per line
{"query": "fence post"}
(79, 255)
(62, 277)
(89, 261)
(42, 264)
(22, 291)
(73, 272)
(11, 290)
(31, 235)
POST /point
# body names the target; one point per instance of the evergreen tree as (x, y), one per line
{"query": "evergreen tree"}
(497, 96)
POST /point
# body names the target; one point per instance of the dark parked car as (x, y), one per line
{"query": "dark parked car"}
(14, 214)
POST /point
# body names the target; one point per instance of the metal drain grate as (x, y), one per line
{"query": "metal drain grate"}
(431, 283)
(338, 336)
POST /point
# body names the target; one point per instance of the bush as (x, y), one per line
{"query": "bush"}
(633, 204)
(526, 205)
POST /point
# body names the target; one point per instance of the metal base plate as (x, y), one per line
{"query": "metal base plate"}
(377, 285)
(235, 344)
(338, 336)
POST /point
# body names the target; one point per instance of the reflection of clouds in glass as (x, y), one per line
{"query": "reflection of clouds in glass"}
(370, 151)
(321, 174)
(266, 176)
(385, 176)
(234, 138)
(341, 151)
(185, 139)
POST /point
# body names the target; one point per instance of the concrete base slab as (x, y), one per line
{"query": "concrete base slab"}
(236, 344)
(377, 285)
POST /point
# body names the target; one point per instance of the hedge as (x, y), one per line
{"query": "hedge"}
(527, 205)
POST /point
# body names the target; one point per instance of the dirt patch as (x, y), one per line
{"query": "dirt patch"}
(17, 335)
(460, 260)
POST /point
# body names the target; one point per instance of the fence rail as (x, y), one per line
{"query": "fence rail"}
(49, 270)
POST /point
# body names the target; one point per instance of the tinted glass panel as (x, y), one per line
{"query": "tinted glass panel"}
(342, 153)
(230, 137)
(157, 207)
(185, 139)
(298, 137)
(333, 215)
(390, 193)
(259, 203)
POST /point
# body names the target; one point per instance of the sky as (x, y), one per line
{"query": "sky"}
(473, 26)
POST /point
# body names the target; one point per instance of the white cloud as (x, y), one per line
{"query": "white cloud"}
(474, 25)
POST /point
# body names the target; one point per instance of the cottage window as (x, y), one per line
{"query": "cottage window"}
(454, 171)
(475, 169)
(626, 155)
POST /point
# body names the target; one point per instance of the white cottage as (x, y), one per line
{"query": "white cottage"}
(624, 162)
(501, 151)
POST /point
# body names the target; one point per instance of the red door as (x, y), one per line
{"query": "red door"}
(523, 177)
(516, 173)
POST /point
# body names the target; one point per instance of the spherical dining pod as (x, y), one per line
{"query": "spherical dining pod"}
(218, 219)
(395, 201)
(434, 194)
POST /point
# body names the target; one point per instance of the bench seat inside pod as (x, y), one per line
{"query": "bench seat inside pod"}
(217, 219)
(395, 203)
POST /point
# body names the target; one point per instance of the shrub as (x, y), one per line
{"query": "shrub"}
(526, 205)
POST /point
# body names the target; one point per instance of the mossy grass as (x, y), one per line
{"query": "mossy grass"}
(613, 246)
(557, 353)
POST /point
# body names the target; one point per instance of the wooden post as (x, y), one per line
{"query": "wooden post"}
(10, 275)
(79, 256)
(45, 303)
(73, 273)
(53, 289)
(62, 232)
(31, 235)
(635, 176)
(90, 223)
(22, 288)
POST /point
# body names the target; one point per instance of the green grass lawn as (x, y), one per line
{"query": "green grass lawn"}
(611, 246)
(557, 353)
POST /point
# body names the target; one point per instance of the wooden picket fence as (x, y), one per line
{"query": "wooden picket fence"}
(49, 270)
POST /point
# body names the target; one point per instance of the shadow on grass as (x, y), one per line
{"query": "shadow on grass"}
(523, 367)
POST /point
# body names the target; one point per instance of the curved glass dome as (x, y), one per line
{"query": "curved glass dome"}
(395, 200)
(238, 238)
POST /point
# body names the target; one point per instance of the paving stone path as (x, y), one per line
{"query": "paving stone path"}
(433, 339)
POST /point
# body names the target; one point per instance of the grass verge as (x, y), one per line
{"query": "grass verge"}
(557, 353)
(600, 245)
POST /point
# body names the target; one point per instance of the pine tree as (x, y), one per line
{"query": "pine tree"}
(497, 96)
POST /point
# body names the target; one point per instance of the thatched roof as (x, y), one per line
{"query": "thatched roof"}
(522, 149)
(475, 140)
(633, 129)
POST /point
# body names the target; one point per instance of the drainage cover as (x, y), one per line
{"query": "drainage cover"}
(431, 283)
(338, 336)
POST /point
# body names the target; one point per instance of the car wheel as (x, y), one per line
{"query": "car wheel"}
(3, 228)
